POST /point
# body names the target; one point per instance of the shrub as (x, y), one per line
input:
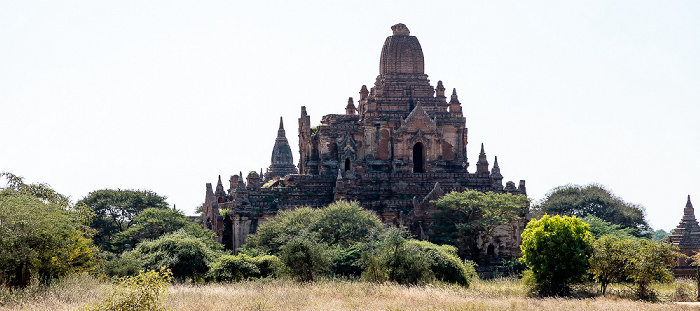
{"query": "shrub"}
(229, 268)
(392, 258)
(445, 264)
(304, 258)
(145, 291)
(556, 249)
(186, 256)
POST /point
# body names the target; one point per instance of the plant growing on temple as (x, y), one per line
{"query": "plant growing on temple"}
(556, 251)
(464, 217)
(42, 235)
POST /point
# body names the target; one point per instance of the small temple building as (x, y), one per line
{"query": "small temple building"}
(687, 237)
(400, 146)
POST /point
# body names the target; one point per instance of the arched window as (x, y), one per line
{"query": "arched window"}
(490, 250)
(347, 164)
(418, 158)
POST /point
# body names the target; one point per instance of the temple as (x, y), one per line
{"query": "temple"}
(687, 237)
(400, 146)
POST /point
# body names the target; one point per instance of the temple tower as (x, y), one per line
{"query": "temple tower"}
(282, 161)
(687, 237)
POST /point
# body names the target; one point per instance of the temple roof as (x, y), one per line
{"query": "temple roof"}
(401, 53)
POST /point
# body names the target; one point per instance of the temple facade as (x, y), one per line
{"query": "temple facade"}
(400, 146)
(687, 237)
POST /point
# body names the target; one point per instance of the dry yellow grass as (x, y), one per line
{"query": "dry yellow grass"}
(348, 295)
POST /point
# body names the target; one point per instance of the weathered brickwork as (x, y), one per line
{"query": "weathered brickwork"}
(687, 237)
(401, 145)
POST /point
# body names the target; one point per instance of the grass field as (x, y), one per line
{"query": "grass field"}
(502, 294)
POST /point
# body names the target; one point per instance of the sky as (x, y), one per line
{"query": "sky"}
(167, 95)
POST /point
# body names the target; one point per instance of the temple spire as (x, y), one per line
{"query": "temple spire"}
(496, 176)
(482, 166)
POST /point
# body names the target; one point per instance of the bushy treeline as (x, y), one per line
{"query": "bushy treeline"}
(344, 240)
(561, 251)
(119, 233)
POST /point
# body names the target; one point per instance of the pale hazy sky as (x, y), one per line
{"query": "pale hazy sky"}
(167, 95)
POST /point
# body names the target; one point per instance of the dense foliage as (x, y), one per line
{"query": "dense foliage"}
(345, 240)
(115, 210)
(187, 256)
(464, 217)
(556, 250)
(153, 223)
(42, 235)
(596, 200)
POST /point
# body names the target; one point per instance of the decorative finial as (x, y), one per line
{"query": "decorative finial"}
(482, 149)
(495, 162)
(400, 30)
(454, 91)
(689, 205)
(281, 124)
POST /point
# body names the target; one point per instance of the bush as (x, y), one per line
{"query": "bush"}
(445, 264)
(556, 249)
(392, 258)
(145, 291)
(42, 235)
(186, 256)
(304, 258)
(346, 261)
(229, 268)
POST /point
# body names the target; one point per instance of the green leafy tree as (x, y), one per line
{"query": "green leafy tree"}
(599, 228)
(41, 234)
(115, 210)
(464, 217)
(610, 259)
(344, 223)
(556, 250)
(651, 261)
(393, 258)
(305, 257)
(660, 235)
(596, 200)
(340, 224)
(188, 257)
(153, 223)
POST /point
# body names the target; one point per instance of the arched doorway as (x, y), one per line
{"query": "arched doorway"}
(418, 158)
(347, 164)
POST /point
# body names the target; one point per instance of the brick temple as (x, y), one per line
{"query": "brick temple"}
(401, 145)
(687, 237)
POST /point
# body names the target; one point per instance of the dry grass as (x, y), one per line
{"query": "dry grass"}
(503, 294)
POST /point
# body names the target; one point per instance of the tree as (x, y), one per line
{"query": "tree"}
(660, 235)
(556, 250)
(41, 234)
(305, 257)
(651, 261)
(153, 223)
(340, 224)
(115, 210)
(464, 217)
(610, 259)
(599, 228)
(188, 257)
(596, 200)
